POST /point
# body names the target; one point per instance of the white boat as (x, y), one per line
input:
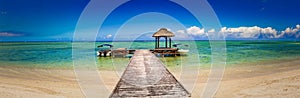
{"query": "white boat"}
(183, 51)
(108, 53)
(98, 53)
(104, 52)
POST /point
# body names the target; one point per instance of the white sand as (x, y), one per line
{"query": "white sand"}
(275, 79)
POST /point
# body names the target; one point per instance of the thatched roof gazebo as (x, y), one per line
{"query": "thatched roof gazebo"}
(163, 32)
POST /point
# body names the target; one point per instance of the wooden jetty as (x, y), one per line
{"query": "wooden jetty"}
(146, 76)
(166, 51)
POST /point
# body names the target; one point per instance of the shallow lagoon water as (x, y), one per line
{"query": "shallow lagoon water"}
(59, 54)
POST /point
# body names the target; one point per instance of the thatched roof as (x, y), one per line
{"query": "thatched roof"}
(163, 32)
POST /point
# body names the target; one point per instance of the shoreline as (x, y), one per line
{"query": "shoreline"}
(278, 78)
(262, 63)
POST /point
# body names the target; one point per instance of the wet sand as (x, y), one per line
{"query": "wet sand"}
(270, 79)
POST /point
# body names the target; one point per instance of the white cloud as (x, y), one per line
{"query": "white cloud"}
(211, 31)
(168, 29)
(268, 33)
(253, 32)
(181, 31)
(190, 33)
(108, 36)
(196, 31)
(181, 34)
(249, 32)
(9, 34)
(290, 32)
(240, 32)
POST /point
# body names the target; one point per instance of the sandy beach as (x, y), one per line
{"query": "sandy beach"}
(149, 49)
(269, 79)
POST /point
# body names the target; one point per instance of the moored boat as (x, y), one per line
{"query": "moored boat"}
(104, 52)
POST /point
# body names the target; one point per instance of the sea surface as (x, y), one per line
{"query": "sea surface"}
(59, 54)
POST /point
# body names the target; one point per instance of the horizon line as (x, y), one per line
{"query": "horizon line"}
(152, 40)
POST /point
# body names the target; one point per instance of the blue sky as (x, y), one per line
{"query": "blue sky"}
(55, 20)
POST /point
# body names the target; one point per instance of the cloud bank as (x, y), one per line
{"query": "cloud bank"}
(290, 33)
(253, 32)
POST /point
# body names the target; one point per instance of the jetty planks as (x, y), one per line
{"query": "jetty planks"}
(147, 76)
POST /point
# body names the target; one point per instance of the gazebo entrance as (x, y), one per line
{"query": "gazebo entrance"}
(168, 42)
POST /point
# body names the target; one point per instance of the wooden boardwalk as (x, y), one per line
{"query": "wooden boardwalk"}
(147, 76)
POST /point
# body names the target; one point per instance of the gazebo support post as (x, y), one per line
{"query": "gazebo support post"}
(170, 42)
(158, 42)
(155, 42)
(166, 42)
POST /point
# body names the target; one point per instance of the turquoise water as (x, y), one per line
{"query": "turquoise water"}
(59, 54)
